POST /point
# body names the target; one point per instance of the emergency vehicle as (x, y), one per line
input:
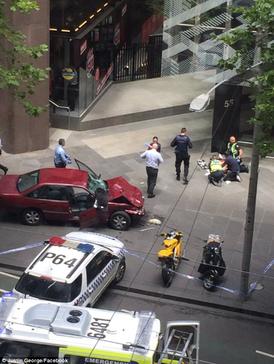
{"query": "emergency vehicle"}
(74, 269)
(46, 331)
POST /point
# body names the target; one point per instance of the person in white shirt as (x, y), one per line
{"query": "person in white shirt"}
(153, 159)
(61, 158)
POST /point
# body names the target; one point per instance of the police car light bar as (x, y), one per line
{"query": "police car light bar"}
(46, 278)
(56, 240)
(85, 248)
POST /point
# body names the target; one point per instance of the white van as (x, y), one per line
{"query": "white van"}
(41, 332)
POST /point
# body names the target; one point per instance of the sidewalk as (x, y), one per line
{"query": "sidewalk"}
(140, 100)
(197, 209)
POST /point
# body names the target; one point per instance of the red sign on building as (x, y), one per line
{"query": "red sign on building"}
(104, 79)
(83, 47)
(90, 60)
(116, 36)
(124, 10)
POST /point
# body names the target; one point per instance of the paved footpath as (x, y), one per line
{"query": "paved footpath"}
(197, 209)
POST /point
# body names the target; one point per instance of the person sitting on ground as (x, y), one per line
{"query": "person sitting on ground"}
(155, 140)
(216, 170)
(232, 166)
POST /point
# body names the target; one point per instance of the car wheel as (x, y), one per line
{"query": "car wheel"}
(32, 217)
(120, 272)
(120, 220)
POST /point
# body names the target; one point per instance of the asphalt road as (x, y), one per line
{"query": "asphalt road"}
(225, 337)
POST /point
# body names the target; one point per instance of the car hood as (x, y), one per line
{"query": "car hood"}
(8, 184)
(119, 186)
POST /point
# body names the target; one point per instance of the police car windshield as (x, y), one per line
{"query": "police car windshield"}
(43, 288)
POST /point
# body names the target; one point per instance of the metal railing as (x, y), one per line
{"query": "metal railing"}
(62, 107)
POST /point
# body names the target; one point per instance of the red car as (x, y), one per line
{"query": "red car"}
(66, 194)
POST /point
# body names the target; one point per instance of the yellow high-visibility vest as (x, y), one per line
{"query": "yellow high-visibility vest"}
(215, 165)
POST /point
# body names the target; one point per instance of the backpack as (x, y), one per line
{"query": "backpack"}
(244, 168)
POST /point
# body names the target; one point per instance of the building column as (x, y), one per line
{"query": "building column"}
(226, 118)
(19, 132)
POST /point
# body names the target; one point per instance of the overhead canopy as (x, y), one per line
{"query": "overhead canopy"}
(69, 15)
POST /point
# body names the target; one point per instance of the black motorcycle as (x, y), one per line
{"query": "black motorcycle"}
(212, 265)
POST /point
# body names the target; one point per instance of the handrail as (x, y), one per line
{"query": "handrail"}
(62, 107)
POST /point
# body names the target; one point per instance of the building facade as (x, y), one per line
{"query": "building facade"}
(19, 132)
(89, 46)
(190, 45)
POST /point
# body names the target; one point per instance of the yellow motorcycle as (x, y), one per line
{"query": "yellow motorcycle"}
(170, 257)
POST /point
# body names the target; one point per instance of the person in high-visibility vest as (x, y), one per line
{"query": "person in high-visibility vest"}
(216, 170)
(236, 152)
(234, 149)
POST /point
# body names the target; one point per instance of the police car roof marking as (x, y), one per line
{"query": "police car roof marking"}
(60, 271)
(72, 240)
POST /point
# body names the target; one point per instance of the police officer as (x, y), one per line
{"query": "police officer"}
(181, 143)
(216, 170)
(232, 169)
(233, 148)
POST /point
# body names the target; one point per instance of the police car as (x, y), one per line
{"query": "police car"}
(74, 269)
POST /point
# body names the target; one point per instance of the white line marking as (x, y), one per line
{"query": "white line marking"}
(9, 275)
(265, 354)
(147, 229)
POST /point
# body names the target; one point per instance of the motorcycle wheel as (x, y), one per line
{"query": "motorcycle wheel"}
(168, 272)
(209, 281)
(176, 261)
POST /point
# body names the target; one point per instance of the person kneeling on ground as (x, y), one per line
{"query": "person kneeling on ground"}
(232, 169)
(216, 170)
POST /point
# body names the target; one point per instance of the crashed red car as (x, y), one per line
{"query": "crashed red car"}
(67, 194)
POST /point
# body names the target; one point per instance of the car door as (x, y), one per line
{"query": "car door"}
(100, 272)
(83, 205)
(52, 200)
(94, 181)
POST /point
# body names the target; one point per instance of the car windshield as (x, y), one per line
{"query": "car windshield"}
(28, 180)
(43, 288)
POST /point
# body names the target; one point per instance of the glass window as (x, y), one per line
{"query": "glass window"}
(94, 181)
(47, 289)
(11, 350)
(71, 359)
(76, 287)
(97, 265)
(28, 180)
(82, 199)
(60, 193)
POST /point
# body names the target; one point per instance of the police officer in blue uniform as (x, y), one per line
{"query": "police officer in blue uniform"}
(181, 143)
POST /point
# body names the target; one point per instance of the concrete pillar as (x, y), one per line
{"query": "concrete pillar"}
(226, 118)
(19, 132)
